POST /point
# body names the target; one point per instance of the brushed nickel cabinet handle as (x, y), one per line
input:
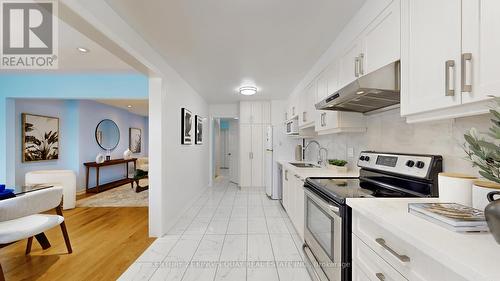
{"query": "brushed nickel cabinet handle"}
(467, 57)
(361, 66)
(449, 86)
(380, 276)
(286, 174)
(402, 258)
(356, 67)
(304, 116)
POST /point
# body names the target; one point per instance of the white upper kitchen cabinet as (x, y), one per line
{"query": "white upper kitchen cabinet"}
(430, 55)
(480, 49)
(449, 55)
(329, 122)
(306, 106)
(382, 39)
(350, 63)
(255, 112)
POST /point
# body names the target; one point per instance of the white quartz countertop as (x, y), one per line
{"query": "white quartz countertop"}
(475, 256)
(304, 173)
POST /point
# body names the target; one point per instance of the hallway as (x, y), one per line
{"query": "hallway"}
(229, 234)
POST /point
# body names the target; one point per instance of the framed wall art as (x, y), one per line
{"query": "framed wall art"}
(198, 130)
(135, 140)
(40, 138)
(186, 127)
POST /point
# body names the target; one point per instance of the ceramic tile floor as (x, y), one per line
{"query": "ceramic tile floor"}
(229, 234)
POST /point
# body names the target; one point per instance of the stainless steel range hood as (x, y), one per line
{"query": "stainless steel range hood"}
(373, 91)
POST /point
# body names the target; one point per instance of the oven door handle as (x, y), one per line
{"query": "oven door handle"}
(322, 203)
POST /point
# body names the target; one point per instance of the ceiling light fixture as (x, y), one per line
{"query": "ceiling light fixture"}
(248, 90)
(83, 50)
(129, 106)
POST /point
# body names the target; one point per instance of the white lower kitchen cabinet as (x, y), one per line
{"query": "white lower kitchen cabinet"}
(293, 200)
(379, 254)
(367, 265)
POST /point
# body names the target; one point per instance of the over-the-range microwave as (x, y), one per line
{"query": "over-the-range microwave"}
(292, 126)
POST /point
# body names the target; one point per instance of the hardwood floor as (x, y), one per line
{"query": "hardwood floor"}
(106, 241)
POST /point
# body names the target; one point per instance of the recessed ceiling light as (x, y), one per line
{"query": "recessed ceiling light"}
(83, 50)
(248, 90)
(129, 106)
(360, 92)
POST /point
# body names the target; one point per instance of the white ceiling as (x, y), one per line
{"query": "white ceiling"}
(217, 46)
(139, 107)
(71, 60)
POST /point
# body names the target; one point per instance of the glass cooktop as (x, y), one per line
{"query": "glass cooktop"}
(339, 189)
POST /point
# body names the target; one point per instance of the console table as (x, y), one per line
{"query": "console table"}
(102, 187)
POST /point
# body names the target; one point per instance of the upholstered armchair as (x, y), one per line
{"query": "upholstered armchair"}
(21, 218)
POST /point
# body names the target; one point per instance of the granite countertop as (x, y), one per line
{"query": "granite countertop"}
(475, 256)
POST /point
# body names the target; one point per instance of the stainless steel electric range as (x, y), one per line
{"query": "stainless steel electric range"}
(328, 219)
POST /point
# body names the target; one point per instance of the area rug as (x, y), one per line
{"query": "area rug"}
(122, 196)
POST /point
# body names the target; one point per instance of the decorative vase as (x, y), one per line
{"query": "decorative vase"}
(99, 158)
(338, 169)
(127, 154)
(492, 213)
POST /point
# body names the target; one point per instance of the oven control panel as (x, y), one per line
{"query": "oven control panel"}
(404, 164)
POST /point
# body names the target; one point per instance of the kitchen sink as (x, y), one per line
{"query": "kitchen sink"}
(304, 165)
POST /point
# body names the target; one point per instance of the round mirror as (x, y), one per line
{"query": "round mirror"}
(107, 134)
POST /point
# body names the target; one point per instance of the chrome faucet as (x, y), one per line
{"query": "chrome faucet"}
(320, 159)
(323, 161)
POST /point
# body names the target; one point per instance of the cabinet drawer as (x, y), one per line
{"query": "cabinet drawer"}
(367, 265)
(405, 258)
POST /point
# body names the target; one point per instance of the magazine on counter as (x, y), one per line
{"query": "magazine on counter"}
(454, 216)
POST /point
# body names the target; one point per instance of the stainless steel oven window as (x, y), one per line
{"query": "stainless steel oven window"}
(321, 226)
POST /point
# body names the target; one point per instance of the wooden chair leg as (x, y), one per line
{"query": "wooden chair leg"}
(2, 277)
(64, 230)
(28, 246)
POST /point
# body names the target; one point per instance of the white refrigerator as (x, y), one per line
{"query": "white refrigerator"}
(268, 162)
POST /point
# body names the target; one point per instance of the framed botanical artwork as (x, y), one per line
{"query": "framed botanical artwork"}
(40, 138)
(135, 140)
(198, 139)
(186, 126)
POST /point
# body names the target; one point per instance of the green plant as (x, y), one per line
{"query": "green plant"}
(337, 162)
(485, 153)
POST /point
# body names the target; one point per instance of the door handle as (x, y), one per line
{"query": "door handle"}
(360, 62)
(380, 276)
(449, 86)
(402, 258)
(467, 57)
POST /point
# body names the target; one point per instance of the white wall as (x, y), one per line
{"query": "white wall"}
(178, 174)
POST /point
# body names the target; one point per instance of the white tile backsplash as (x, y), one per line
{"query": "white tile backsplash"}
(389, 132)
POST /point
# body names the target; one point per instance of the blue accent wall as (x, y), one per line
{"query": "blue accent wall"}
(57, 86)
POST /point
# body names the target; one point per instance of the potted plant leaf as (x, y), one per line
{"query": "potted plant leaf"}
(483, 150)
(338, 165)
